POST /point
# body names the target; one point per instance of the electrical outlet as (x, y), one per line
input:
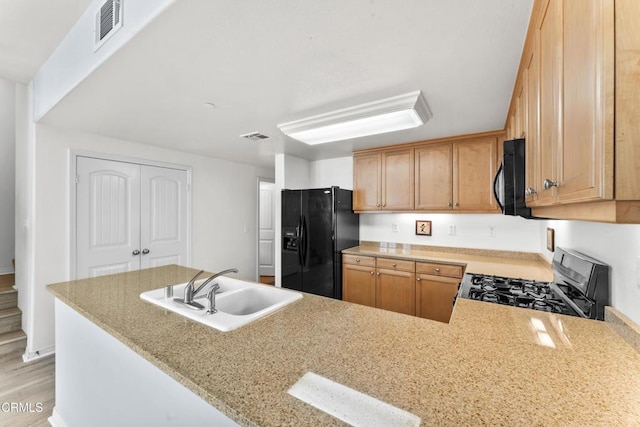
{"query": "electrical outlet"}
(452, 230)
(395, 228)
(492, 231)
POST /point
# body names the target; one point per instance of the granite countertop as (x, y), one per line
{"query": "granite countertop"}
(492, 365)
(523, 265)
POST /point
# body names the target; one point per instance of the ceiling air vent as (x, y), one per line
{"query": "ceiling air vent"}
(255, 136)
(108, 21)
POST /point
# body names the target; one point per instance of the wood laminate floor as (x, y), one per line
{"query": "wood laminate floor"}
(27, 384)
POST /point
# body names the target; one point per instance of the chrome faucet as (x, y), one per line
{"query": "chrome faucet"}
(190, 293)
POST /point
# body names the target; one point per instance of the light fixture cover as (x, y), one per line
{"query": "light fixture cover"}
(387, 115)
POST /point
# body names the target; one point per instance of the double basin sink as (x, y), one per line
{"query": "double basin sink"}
(238, 302)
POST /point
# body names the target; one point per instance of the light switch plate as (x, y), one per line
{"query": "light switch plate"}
(395, 228)
(452, 230)
(492, 231)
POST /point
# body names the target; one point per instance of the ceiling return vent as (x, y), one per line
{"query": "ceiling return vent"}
(255, 136)
(108, 21)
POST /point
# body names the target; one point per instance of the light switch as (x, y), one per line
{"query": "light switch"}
(395, 228)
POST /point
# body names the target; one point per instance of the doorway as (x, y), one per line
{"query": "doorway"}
(266, 231)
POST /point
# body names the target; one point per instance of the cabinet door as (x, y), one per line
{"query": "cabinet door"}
(397, 179)
(367, 176)
(585, 164)
(532, 143)
(550, 33)
(434, 177)
(359, 284)
(396, 291)
(474, 168)
(434, 297)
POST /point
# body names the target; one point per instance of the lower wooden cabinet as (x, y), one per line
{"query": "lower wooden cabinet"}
(418, 289)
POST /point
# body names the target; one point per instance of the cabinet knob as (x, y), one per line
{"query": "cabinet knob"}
(530, 191)
(437, 270)
(418, 279)
(378, 273)
(145, 251)
(456, 204)
(377, 205)
(357, 259)
(548, 184)
(135, 252)
(394, 264)
(449, 204)
(384, 205)
(372, 273)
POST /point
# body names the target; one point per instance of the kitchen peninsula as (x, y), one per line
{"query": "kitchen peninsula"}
(487, 366)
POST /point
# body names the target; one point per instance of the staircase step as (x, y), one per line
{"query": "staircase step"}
(10, 320)
(12, 341)
(7, 280)
(8, 298)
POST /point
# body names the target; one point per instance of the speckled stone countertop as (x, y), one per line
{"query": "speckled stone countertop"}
(524, 265)
(492, 365)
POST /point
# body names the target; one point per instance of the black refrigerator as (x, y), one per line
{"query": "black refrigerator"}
(316, 225)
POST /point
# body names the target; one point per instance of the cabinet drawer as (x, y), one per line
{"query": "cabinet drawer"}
(396, 264)
(366, 261)
(439, 269)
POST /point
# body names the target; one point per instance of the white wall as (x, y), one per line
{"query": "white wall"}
(7, 174)
(74, 59)
(330, 172)
(24, 203)
(224, 213)
(471, 230)
(615, 244)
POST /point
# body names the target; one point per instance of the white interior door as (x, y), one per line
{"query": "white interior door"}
(107, 217)
(267, 232)
(163, 225)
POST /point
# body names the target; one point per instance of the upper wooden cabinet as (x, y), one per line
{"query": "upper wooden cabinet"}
(474, 168)
(434, 177)
(452, 174)
(580, 75)
(383, 180)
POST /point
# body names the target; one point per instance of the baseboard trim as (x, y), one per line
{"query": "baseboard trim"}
(56, 420)
(6, 270)
(35, 355)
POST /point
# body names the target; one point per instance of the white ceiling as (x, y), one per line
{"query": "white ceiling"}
(264, 63)
(29, 32)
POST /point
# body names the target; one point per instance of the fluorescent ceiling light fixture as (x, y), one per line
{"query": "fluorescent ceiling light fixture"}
(387, 115)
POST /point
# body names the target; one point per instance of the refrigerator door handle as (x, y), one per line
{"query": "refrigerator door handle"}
(299, 240)
(304, 241)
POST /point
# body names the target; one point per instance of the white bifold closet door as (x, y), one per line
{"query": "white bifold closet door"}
(128, 216)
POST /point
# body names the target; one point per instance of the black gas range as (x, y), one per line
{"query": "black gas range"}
(580, 287)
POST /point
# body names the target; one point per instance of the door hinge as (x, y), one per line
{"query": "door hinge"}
(77, 178)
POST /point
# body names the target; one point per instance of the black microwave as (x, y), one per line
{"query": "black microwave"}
(509, 183)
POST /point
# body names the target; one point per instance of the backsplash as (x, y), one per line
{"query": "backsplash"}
(470, 230)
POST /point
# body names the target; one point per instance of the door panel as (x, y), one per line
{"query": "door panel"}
(434, 177)
(266, 239)
(367, 174)
(397, 183)
(108, 217)
(474, 168)
(317, 245)
(163, 212)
